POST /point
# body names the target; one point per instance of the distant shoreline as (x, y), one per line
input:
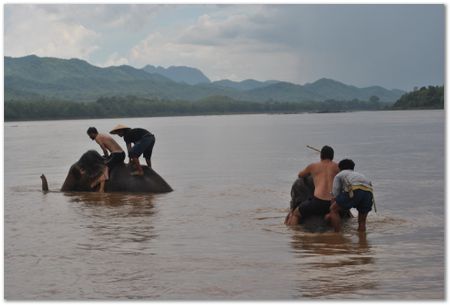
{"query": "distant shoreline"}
(211, 114)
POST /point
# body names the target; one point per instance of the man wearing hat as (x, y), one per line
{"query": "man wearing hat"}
(143, 142)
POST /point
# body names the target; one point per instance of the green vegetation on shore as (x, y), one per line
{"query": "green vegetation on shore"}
(17, 110)
(431, 97)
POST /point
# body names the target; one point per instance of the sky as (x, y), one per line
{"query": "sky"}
(395, 46)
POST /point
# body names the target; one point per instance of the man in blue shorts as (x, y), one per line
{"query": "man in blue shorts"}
(350, 190)
(143, 142)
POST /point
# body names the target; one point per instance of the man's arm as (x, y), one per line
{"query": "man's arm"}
(337, 186)
(105, 151)
(305, 172)
(103, 147)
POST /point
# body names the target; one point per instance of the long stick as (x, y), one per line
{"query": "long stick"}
(313, 148)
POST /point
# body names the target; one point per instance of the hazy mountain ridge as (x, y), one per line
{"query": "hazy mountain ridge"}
(75, 79)
(179, 74)
(248, 84)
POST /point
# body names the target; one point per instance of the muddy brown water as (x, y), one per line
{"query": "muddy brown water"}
(220, 234)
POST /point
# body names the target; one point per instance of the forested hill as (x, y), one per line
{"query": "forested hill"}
(179, 74)
(431, 97)
(33, 78)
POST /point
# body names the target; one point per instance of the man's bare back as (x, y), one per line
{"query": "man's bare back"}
(323, 173)
(105, 141)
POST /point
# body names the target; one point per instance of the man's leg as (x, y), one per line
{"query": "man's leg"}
(106, 173)
(148, 152)
(294, 218)
(287, 217)
(333, 217)
(139, 171)
(102, 187)
(362, 221)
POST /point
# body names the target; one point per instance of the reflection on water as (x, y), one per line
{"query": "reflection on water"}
(116, 222)
(334, 264)
(140, 203)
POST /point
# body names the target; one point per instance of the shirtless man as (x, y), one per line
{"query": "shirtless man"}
(323, 173)
(112, 151)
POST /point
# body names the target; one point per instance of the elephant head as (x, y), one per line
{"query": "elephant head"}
(302, 189)
(84, 172)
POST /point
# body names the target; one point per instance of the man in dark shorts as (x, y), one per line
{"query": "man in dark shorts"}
(143, 142)
(323, 173)
(112, 151)
(350, 190)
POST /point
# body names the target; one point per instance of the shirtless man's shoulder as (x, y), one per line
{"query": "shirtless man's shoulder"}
(107, 141)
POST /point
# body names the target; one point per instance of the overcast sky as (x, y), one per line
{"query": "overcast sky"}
(394, 46)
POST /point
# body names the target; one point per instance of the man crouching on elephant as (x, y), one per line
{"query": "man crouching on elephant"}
(112, 151)
(323, 173)
(143, 142)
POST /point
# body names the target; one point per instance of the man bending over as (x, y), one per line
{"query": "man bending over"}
(351, 190)
(112, 151)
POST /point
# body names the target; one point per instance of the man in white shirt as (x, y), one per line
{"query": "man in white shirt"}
(350, 190)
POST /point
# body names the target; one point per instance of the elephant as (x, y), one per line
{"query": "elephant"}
(91, 165)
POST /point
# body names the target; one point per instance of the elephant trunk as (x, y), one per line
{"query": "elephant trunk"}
(44, 183)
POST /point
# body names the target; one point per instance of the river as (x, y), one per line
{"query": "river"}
(220, 234)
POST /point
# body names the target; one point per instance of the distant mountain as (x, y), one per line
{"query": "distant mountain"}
(38, 78)
(331, 89)
(248, 84)
(180, 74)
(284, 92)
(321, 90)
(76, 79)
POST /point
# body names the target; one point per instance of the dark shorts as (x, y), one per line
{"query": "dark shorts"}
(144, 146)
(314, 206)
(114, 159)
(362, 201)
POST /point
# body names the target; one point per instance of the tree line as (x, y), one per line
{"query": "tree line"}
(132, 106)
(431, 97)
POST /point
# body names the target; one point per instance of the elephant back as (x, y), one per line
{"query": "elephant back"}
(121, 180)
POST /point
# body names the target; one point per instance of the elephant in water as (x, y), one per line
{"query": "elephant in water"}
(91, 165)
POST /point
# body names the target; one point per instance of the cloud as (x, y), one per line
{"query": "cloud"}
(389, 45)
(43, 34)
(115, 60)
(223, 45)
(105, 16)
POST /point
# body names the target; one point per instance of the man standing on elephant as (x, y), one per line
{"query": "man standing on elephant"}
(323, 173)
(143, 142)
